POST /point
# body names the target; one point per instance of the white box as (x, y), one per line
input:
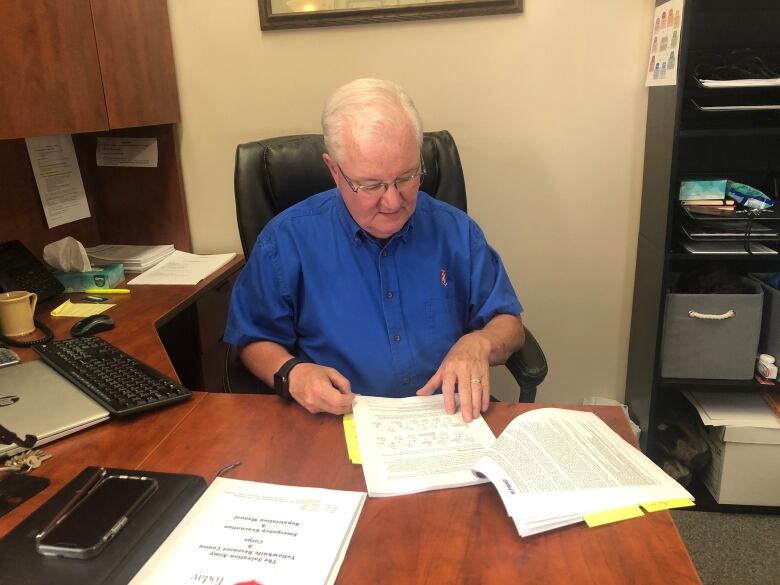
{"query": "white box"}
(745, 466)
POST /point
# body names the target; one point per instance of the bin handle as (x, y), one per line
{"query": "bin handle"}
(727, 315)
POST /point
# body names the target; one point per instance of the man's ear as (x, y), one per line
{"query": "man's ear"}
(334, 172)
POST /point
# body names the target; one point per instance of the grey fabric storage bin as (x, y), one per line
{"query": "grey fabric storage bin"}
(770, 322)
(724, 349)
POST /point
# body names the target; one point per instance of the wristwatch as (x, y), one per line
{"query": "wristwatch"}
(282, 378)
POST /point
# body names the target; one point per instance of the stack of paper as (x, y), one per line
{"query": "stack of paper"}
(184, 268)
(551, 467)
(410, 445)
(251, 532)
(134, 258)
(733, 409)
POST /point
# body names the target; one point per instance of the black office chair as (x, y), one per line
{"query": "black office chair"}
(271, 175)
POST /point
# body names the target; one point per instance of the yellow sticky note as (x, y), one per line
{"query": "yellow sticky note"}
(599, 518)
(350, 434)
(68, 309)
(667, 505)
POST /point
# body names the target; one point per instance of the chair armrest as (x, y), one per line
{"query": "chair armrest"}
(528, 364)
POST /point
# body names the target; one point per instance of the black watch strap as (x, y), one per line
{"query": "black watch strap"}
(282, 378)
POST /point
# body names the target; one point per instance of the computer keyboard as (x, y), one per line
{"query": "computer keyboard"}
(119, 382)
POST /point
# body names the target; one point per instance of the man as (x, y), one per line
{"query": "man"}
(374, 287)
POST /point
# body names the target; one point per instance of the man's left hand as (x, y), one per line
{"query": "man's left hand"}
(466, 366)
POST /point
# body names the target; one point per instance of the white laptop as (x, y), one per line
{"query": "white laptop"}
(36, 400)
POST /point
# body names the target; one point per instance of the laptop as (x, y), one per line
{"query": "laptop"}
(36, 400)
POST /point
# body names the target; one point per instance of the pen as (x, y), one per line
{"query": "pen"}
(108, 291)
(77, 496)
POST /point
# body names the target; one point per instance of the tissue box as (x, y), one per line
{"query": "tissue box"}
(100, 277)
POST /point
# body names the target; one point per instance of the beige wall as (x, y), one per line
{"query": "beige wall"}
(548, 110)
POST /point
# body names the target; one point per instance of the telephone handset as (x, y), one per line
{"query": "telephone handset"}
(20, 270)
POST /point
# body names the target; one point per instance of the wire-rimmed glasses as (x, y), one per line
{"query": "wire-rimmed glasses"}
(402, 184)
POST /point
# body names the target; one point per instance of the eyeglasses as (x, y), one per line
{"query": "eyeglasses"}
(378, 189)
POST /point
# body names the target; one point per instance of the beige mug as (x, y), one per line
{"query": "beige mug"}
(17, 309)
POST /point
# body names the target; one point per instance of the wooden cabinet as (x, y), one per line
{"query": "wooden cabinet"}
(91, 68)
(73, 66)
(690, 135)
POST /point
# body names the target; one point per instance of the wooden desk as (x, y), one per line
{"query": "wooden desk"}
(448, 536)
(138, 316)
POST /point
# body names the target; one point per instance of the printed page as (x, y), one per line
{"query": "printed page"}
(183, 268)
(412, 445)
(251, 532)
(58, 178)
(553, 465)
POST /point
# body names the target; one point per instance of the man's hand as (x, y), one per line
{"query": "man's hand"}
(320, 389)
(466, 366)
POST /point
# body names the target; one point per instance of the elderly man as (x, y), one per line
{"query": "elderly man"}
(374, 287)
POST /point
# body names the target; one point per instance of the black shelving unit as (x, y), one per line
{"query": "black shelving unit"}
(685, 142)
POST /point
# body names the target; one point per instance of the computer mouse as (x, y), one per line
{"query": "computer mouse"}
(91, 325)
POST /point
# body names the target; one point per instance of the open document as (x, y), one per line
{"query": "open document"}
(251, 532)
(410, 445)
(183, 268)
(552, 467)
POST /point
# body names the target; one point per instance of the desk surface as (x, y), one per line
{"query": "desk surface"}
(137, 316)
(458, 535)
(448, 536)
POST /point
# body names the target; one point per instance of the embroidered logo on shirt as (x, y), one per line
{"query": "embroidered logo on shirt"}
(443, 276)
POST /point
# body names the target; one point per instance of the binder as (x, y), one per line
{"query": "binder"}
(21, 564)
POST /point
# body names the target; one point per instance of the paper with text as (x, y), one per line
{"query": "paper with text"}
(58, 177)
(183, 268)
(126, 151)
(245, 531)
(410, 445)
(552, 466)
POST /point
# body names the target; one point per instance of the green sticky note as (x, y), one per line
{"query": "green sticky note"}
(616, 515)
(350, 434)
(667, 505)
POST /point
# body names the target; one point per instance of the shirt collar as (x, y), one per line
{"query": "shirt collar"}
(356, 233)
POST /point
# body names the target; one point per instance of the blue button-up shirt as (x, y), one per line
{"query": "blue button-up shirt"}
(384, 316)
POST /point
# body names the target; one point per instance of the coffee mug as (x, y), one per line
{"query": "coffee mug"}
(17, 309)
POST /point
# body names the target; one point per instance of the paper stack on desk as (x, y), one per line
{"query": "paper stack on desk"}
(252, 532)
(133, 258)
(552, 467)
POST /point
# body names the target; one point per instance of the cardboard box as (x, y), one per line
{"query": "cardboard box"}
(101, 277)
(745, 467)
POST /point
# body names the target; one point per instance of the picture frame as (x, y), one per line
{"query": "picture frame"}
(288, 14)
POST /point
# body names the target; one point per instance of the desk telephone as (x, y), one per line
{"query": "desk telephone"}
(20, 270)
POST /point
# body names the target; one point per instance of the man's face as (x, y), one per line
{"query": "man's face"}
(395, 155)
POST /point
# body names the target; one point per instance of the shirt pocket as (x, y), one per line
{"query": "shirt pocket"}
(445, 323)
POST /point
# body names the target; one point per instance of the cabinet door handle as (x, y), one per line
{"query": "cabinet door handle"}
(727, 315)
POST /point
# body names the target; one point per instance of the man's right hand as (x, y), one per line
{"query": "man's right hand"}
(320, 389)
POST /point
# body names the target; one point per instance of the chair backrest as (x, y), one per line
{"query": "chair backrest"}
(273, 174)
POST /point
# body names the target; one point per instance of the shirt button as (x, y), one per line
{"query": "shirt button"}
(405, 381)
(389, 294)
(384, 253)
(396, 338)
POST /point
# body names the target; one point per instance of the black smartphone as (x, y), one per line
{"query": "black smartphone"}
(86, 529)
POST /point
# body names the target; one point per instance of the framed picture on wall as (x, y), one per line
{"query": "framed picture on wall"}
(280, 14)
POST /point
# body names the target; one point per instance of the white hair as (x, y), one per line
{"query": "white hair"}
(367, 108)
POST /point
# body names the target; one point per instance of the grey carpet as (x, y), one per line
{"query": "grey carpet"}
(732, 549)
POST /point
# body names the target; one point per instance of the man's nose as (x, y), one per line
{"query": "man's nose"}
(391, 199)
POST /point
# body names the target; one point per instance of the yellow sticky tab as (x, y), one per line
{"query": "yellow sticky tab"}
(350, 434)
(68, 309)
(667, 505)
(599, 518)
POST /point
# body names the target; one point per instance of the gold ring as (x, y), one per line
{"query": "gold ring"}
(476, 381)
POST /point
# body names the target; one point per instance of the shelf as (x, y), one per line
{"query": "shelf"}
(714, 385)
